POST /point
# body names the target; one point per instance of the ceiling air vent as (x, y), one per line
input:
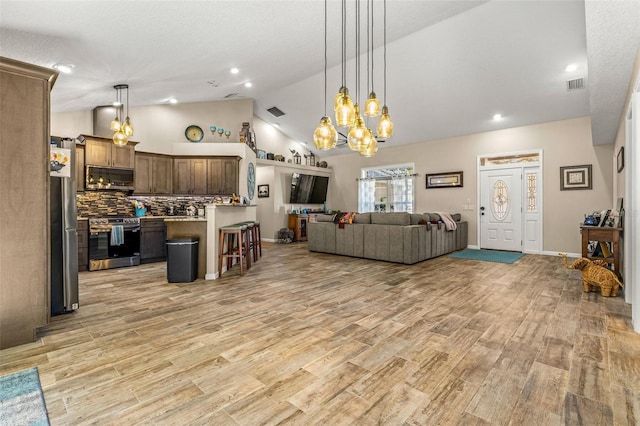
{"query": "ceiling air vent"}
(230, 95)
(575, 84)
(275, 111)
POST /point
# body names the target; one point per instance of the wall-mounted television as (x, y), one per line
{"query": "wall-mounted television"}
(308, 189)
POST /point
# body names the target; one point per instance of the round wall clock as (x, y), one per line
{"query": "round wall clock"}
(194, 133)
(251, 180)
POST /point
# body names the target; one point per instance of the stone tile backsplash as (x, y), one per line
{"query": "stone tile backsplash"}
(115, 203)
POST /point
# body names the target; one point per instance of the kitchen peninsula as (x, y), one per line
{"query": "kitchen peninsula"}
(207, 229)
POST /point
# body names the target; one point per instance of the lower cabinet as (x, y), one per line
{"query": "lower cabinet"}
(82, 230)
(153, 236)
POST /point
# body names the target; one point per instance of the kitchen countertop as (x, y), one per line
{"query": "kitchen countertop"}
(235, 205)
(184, 218)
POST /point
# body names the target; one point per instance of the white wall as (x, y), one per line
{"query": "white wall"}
(159, 127)
(564, 143)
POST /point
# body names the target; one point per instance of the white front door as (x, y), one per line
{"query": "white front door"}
(501, 209)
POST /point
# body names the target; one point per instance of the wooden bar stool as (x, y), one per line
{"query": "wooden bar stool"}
(253, 228)
(234, 237)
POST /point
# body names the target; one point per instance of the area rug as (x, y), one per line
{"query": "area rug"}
(21, 399)
(488, 255)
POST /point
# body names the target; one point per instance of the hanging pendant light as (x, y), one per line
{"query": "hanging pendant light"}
(123, 130)
(372, 105)
(343, 104)
(325, 137)
(357, 132)
(385, 125)
(347, 110)
(370, 147)
(116, 123)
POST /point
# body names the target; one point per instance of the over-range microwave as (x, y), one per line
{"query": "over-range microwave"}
(108, 178)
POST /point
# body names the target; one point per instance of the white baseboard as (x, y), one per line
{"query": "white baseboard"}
(269, 240)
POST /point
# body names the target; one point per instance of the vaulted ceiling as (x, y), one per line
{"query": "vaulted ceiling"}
(451, 65)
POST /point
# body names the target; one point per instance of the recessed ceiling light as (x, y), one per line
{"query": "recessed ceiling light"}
(248, 84)
(234, 70)
(173, 101)
(571, 68)
(64, 68)
(497, 117)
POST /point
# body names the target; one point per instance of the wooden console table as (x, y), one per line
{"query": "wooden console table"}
(603, 234)
(298, 224)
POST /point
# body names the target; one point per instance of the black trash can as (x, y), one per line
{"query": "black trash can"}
(182, 259)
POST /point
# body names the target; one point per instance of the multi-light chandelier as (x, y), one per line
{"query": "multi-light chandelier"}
(123, 130)
(360, 137)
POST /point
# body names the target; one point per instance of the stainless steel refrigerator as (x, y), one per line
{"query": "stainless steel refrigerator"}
(64, 239)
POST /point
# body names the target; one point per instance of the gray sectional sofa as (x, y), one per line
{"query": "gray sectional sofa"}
(394, 237)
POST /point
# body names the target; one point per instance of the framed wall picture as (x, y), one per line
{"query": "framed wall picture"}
(575, 177)
(263, 191)
(620, 159)
(444, 180)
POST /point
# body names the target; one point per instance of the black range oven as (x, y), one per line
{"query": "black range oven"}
(114, 242)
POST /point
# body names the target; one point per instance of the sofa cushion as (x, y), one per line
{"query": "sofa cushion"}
(429, 217)
(324, 218)
(416, 218)
(362, 218)
(399, 218)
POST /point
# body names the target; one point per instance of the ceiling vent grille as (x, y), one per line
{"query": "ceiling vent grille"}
(231, 95)
(275, 111)
(575, 84)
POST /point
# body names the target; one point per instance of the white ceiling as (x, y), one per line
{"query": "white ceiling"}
(451, 65)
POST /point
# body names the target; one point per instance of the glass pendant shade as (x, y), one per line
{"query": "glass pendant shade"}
(372, 106)
(385, 125)
(127, 127)
(325, 137)
(116, 124)
(119, 138)
(357, 132)
(345, 112)
(338, 99)
(371, 147)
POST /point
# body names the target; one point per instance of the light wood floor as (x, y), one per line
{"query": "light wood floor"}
(306, 338)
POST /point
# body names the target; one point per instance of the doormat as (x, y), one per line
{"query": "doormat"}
(21, 399)
(488, 255)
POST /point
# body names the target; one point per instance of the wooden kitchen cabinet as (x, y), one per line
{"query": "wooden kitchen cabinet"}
(190, 176)
(82, 230)
(222, 176)
(80, 168)
(153, 174)
(103, 152)
(153, 236)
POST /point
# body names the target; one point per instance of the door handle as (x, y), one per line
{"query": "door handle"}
(482, 208)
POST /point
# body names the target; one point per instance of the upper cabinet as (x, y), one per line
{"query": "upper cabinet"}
(205, 176)
(190, 176)
(222, 176)
(153, 174)
(103, 152)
